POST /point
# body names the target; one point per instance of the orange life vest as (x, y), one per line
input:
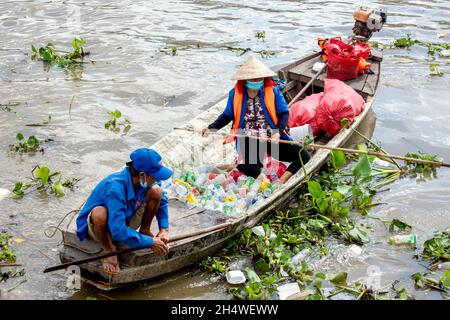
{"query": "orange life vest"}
(269, 100)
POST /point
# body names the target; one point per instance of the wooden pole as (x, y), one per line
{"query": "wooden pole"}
(318, 146)
(294, 100)
(118, 252)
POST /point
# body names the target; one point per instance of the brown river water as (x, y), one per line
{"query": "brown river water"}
(158, 92)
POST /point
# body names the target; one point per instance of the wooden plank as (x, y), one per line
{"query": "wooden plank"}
(372, 79)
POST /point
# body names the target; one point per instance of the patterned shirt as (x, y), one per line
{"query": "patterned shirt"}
(255, 122)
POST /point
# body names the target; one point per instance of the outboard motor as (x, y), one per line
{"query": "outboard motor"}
(368, 21)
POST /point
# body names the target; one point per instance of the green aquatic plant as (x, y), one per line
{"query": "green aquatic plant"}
(420, 167)
(435, 71)
(24, 145)
(214, 264)
(43, 179)
(6, 251)
(260, 35)
(63, 59)
(114, 125)
(438, 247)
(421, 281)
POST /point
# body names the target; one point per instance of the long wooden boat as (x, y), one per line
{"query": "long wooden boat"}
(187, 150)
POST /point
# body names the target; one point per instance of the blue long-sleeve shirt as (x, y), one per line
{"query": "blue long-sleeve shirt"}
(116, 193)
(228, 115)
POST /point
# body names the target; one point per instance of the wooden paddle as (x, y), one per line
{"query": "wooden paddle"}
(318, 146)
(118, 252)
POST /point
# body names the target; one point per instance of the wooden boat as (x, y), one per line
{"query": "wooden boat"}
(187, 150)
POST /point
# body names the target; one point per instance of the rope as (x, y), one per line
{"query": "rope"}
(56, 228)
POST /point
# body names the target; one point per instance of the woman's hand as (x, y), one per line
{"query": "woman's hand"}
(205, 131)
(275, 138)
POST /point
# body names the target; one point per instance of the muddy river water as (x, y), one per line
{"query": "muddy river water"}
(131, 71)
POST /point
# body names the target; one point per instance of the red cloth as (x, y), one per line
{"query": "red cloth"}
(274, 166)
(339, 101)
(304, 112)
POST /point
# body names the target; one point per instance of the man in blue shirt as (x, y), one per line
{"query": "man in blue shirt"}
(126, 201)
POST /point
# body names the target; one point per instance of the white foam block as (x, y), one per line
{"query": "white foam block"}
(3, 193)
(288, 290)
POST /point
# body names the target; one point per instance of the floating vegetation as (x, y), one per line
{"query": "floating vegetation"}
(438, 247)
(281, 253)
(43, 179)
(7, 106)
(114, 125)
(421, 280)
(24, 145)
(260, 35)
(420, 167)
(44, 122)
(434, 70)
(61, 58)
(7, 254)
(171, 51)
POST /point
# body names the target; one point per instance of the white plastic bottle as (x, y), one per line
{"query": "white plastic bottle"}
(410, 239)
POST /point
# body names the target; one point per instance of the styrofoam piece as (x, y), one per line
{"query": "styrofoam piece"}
(288, 291)
(259, 231)
(235, 277)
(355, 249)
(3, 193)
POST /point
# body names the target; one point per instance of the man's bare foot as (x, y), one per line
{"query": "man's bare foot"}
(111, 265)
(147, 233)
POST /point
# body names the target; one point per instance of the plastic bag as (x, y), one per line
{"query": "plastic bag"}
(339, 101)
(304, 112)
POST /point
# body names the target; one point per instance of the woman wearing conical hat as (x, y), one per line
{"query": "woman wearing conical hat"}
(258, 108)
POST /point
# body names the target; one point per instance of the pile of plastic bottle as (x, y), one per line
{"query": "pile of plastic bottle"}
(232, 193)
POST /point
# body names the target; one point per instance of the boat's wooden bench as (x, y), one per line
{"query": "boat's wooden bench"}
(365, 84)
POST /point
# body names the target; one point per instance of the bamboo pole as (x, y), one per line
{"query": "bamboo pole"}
(294, 100)
(118, 252)
(318, 146)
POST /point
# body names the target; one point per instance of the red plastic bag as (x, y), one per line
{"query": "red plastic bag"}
(363, 50)
(343, 60)
(339, 101)
(304, 112)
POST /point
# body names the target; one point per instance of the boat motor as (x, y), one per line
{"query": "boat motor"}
(368, 21)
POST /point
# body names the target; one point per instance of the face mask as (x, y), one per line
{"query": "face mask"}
(254, 85)
(143, 185)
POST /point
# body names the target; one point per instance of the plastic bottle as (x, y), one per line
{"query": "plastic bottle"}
(181, 190)
(219, 179)
(191, 199)
(410, 239)
(299, 257)
(267, 192)
(444, 266)
(242, 180)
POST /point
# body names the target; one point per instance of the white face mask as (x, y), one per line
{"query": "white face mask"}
(143, 185)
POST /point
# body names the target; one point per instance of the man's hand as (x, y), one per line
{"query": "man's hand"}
(164, 235)
(160, 247)
(275, 138)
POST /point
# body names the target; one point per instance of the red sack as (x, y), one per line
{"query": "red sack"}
(339, 101)
(304, 112)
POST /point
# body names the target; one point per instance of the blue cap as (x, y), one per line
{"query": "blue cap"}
(149, 161)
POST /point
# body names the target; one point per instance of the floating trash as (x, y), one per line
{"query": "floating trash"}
(236, 277)
(288, 291)
(3, 193)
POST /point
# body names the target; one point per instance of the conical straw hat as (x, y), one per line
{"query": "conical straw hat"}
(253, 69)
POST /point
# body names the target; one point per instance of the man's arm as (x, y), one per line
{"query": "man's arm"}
(120, 232)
